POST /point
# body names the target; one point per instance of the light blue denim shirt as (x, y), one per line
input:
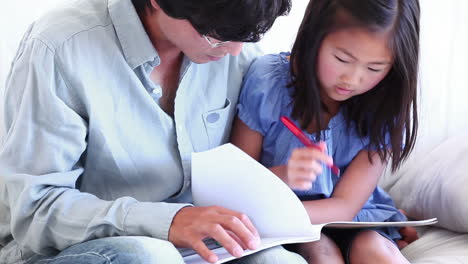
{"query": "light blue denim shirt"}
(88, 151)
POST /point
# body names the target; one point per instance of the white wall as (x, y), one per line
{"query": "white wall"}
(444, 70)
(281, 37)
(15, 16)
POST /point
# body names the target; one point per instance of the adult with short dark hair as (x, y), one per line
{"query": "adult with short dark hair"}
(105, 102)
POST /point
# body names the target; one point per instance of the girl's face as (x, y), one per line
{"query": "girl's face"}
(351, 62)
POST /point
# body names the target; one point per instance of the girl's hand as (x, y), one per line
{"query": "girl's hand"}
(304, 165)
(408, 234)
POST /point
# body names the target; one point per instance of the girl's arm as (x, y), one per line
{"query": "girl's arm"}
(351, 192)
(302, 171)
(250, 141)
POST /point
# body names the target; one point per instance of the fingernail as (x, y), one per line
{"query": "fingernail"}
(238, 252)
(213, 258)
(253, 244)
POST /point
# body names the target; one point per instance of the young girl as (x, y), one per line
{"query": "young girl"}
(350, 84)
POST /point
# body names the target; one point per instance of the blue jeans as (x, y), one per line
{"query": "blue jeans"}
(146, 250)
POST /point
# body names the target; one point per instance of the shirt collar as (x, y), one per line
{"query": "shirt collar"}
(136, 45)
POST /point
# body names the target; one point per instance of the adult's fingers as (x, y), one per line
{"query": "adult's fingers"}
(221, 235)
(193, 224)
(199, 246)
(241, 226)
(238, 240)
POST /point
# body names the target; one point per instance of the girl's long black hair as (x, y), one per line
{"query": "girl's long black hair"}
(391, 106)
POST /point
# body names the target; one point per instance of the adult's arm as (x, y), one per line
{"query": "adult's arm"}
(40, 164)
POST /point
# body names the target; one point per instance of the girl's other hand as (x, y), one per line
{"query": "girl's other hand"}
(305, 164)
(408, 234)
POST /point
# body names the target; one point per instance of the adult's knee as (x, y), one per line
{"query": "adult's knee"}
(143, 250)
(275, 255)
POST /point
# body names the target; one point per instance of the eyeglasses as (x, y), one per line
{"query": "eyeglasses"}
(214, 45)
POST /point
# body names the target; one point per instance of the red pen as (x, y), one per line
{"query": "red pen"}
(305, 140)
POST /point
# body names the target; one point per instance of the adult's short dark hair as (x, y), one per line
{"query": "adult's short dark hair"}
(233, 20)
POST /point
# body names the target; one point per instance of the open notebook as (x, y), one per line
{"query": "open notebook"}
(228, 177)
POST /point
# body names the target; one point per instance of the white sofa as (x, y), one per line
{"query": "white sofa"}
(434, 181)
(435, 185)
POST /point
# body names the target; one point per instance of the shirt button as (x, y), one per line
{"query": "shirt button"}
(212, 118)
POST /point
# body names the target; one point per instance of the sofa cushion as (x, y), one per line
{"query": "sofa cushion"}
(436, 185)
(437, 246)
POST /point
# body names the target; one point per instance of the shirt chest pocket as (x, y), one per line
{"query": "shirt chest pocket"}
(218, 124)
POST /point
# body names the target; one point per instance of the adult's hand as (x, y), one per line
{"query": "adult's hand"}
(233, 230)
